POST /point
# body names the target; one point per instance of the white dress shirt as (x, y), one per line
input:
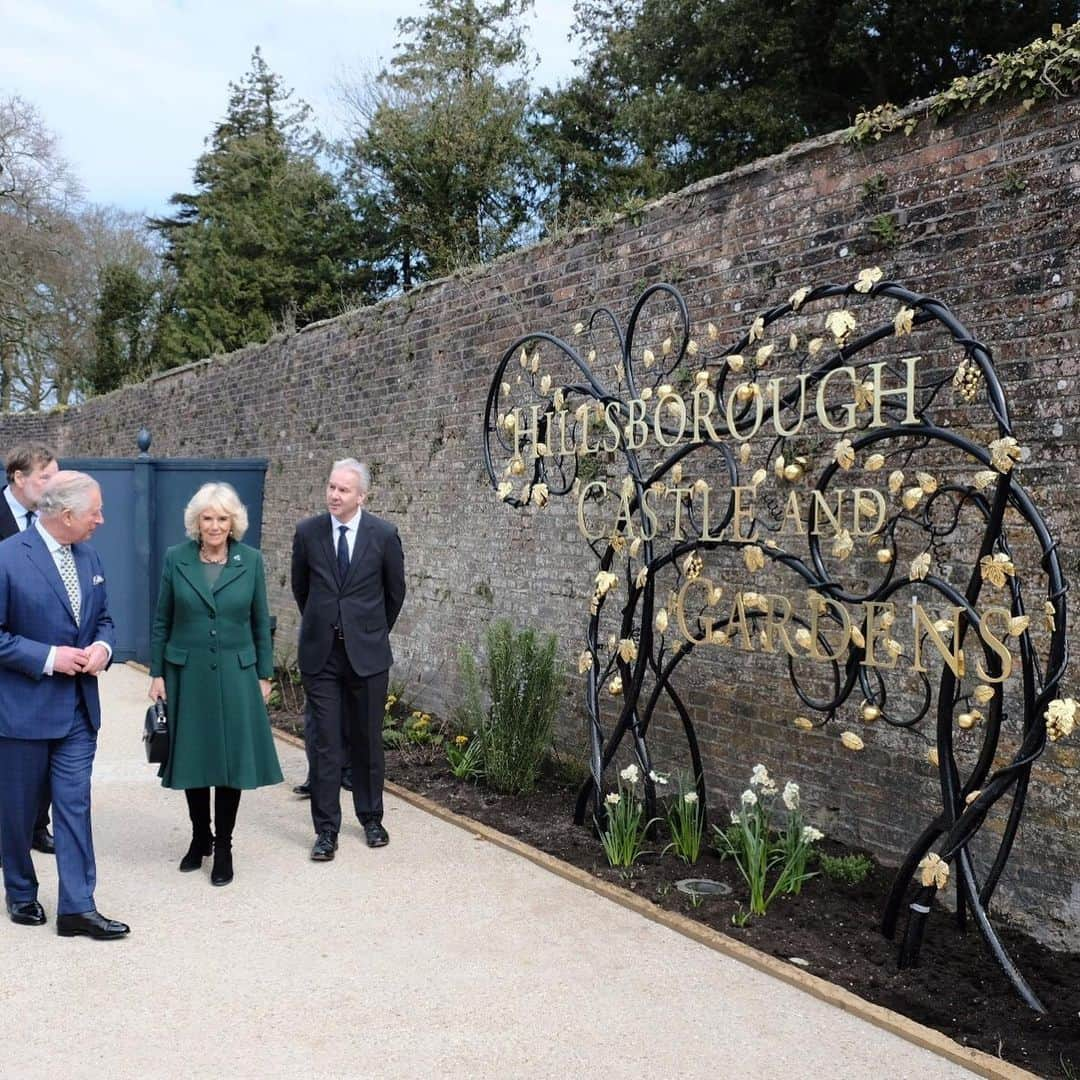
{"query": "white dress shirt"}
(54, 547)
(18, 511)
(350, 537)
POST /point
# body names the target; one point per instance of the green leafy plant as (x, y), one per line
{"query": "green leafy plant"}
(845, 869)
(757, 852)
(623, 835)
(465, 757)
(511, 707)
(1013, 184)
(885, 230)
(873, 187)
(685, 823)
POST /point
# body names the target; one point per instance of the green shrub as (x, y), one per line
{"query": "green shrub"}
(845, 869)
(511, 707)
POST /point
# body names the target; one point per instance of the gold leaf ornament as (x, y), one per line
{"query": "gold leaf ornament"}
(933, 870)
(903, 321)
(661, 621)
(584, 661)
(540, 494)
(757, 329)
(996, 568)
(843, 545)
(642, 577)
(614, 687)
(736, 362)
(505, 490)
(1060, 718)
(983, 694)
(840, 324)
(896, 481)
(648, 358)
(984, 478)
(1018, 624)
(912, 497)
(851, 741)
(874, 462)
(754, 558)
(920, 567)
(797, 297)
(815, 346)
(627, 650)
(803, 724)
(844, 454)
(1004, 452)
(868, 278)
(763, 354)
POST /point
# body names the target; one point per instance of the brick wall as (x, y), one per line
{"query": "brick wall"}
(980, 212)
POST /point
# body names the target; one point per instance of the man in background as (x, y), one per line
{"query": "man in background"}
(29, 468)
(348, 578)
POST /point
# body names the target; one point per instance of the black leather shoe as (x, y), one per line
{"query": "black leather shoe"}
(222, 872)
(26, 912)
(91, 924)
(346, 779)
(200, 848)
(43, 842)
(325, 846)
(375, 834)
(303, 790)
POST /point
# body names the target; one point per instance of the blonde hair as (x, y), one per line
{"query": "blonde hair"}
(216, 497)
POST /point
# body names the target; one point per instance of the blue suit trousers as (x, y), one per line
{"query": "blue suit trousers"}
(26, 766)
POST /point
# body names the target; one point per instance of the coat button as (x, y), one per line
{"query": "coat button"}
(213, 667)
(213, 633)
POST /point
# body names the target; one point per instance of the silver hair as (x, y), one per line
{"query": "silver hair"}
(358, 467)
(216, 497)
(66, 491)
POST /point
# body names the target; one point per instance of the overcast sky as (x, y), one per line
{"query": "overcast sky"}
(133, 88)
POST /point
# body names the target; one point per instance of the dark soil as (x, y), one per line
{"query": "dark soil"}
(957, 989)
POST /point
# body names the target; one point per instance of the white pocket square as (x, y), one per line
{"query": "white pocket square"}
(98, 580)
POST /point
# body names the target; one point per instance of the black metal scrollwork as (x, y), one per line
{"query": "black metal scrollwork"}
(558, 423)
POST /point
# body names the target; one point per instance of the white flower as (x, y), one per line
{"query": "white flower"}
(631, 774)
(810, 835)
(748, 798)
(760, 776)
(791, 795)
(613, 798)
(656, 778)
(734, 817)
(690, 798)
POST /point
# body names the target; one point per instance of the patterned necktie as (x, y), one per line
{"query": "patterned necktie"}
(342, 552)
(30, 515)
(70, 578)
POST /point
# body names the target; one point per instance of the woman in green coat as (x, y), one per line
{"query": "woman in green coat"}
(211, 660)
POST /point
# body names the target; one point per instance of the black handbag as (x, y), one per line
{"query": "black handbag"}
(156, 734)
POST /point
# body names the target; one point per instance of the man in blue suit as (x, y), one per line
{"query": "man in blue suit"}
(55, 637)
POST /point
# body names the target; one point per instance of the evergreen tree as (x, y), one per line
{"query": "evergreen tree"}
(695, 87)
(439, 142)
(268, 239)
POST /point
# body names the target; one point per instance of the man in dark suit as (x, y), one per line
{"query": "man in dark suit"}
(55, 637)
(29, 468)
(348, 577)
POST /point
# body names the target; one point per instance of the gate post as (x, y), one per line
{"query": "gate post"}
(143, 525)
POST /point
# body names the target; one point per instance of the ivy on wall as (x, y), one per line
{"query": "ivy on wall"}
(1047, 67)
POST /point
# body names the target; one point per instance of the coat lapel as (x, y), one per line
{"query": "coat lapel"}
(363, 541)
(42, 558)
(192, 573)
(234, 568)
(325, 545)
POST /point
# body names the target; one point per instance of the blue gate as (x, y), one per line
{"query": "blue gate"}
(144, 500)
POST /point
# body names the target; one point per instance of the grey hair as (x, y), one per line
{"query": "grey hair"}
(217, 497)
(67, 490)
(358, 467)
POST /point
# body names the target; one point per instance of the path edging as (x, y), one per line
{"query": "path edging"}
(910, 1030)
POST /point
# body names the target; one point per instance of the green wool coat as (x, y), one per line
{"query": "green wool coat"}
(212, 646)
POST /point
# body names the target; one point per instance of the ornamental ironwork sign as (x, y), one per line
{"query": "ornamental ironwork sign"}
(828, 500)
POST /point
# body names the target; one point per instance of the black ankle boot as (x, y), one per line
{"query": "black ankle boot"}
(200, 846)
(222, 872)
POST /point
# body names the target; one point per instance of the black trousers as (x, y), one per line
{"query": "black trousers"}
(339, 697)
(309, 741)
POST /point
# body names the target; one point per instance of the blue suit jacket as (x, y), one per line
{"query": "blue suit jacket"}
(35, 614)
